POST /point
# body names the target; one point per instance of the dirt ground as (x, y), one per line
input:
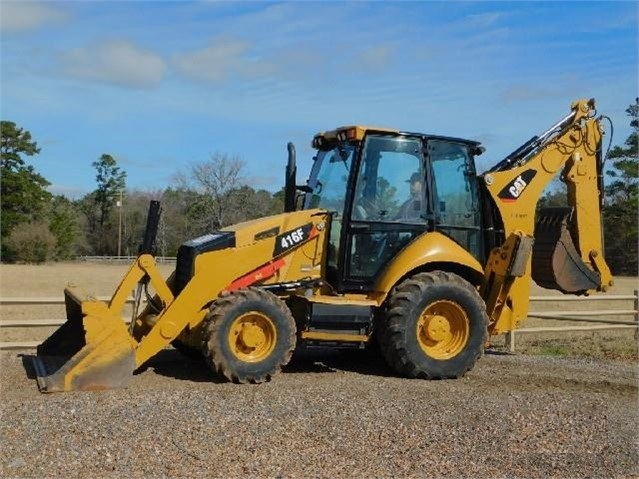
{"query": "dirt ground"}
(603, 344)
(48, 280)
(328, 416)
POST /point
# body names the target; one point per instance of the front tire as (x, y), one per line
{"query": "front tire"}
(248, 336)
(435, 326)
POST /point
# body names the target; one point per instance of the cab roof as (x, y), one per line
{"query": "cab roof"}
(357, 132)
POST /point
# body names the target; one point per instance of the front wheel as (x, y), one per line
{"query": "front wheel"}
(435, 326)
(248, 336)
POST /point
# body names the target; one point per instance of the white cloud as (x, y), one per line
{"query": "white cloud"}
(483, 20)
(22, 16)
(71, 192)
(375, 58)
(214, 63)
(118, 62)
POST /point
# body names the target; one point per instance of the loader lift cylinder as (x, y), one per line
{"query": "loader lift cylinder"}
(146, 247)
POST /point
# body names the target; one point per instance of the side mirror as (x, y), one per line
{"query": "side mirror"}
(478, 150)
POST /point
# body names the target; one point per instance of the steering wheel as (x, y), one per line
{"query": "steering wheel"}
(365, 209)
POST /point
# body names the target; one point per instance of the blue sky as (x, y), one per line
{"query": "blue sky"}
(160, 85)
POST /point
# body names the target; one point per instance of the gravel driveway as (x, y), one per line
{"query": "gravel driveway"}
(329, 415)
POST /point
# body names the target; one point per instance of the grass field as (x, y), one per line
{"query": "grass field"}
(606, 344)
(49, 280)
(99, 279)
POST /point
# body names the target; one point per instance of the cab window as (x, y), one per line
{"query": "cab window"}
(455, 194)
(329, 183)
(389, 184)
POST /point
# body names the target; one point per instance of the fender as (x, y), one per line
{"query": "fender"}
(427, 249)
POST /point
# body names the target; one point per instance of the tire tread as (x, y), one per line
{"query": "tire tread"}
(214, 322)
(402, 301)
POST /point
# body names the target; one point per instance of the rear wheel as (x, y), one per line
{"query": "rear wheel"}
(248, 336)
(435, 328)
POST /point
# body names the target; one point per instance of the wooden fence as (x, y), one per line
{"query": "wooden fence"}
(37, 323)
(589, 316)
(123, 259)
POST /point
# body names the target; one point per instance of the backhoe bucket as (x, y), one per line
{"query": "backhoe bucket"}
(92, 350)
(556, 263)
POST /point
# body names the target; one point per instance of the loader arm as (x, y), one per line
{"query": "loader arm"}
(95, 349)
(272, 251)
(143, 266)
(561, 248)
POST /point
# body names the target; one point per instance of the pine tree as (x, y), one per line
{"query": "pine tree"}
(22, 190)
(620, 220)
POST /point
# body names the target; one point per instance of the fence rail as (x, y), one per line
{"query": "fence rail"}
(123, 259)
(573, 315)
(581, 316)
(37, 323)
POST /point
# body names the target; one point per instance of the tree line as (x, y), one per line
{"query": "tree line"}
(37, 226)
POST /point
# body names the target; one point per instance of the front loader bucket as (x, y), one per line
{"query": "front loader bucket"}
(556, 263)
(92, 350)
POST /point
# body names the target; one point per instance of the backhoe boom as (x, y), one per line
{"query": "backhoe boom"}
(568, 246)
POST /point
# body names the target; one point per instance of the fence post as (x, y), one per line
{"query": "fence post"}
(637, 312)
(510, 341)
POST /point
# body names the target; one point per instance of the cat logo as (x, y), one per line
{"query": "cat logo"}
(515, 188)
(518, 187)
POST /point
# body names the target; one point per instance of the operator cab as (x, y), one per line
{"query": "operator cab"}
(385, 188)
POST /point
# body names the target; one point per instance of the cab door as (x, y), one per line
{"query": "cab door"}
(455, 194)
(386, 209)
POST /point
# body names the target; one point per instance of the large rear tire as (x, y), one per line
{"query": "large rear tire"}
(435, 326)
(248, 336)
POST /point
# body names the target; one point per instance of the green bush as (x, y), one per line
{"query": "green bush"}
(31, 243)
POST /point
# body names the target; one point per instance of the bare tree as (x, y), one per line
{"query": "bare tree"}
(214, 180)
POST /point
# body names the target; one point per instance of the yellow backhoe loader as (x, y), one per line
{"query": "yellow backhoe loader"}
(394, 238)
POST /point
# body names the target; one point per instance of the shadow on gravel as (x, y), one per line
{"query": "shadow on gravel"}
(322, 361)
(498, 352)
(169, 363)
(27, 364)
(173, 364)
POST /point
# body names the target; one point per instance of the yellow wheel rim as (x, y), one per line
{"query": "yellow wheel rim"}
(443, 330)
(252, 337)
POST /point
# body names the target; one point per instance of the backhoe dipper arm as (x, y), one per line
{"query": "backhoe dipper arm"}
(516, 185)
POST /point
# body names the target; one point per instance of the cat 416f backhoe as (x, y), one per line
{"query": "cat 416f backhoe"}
(428, 268)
